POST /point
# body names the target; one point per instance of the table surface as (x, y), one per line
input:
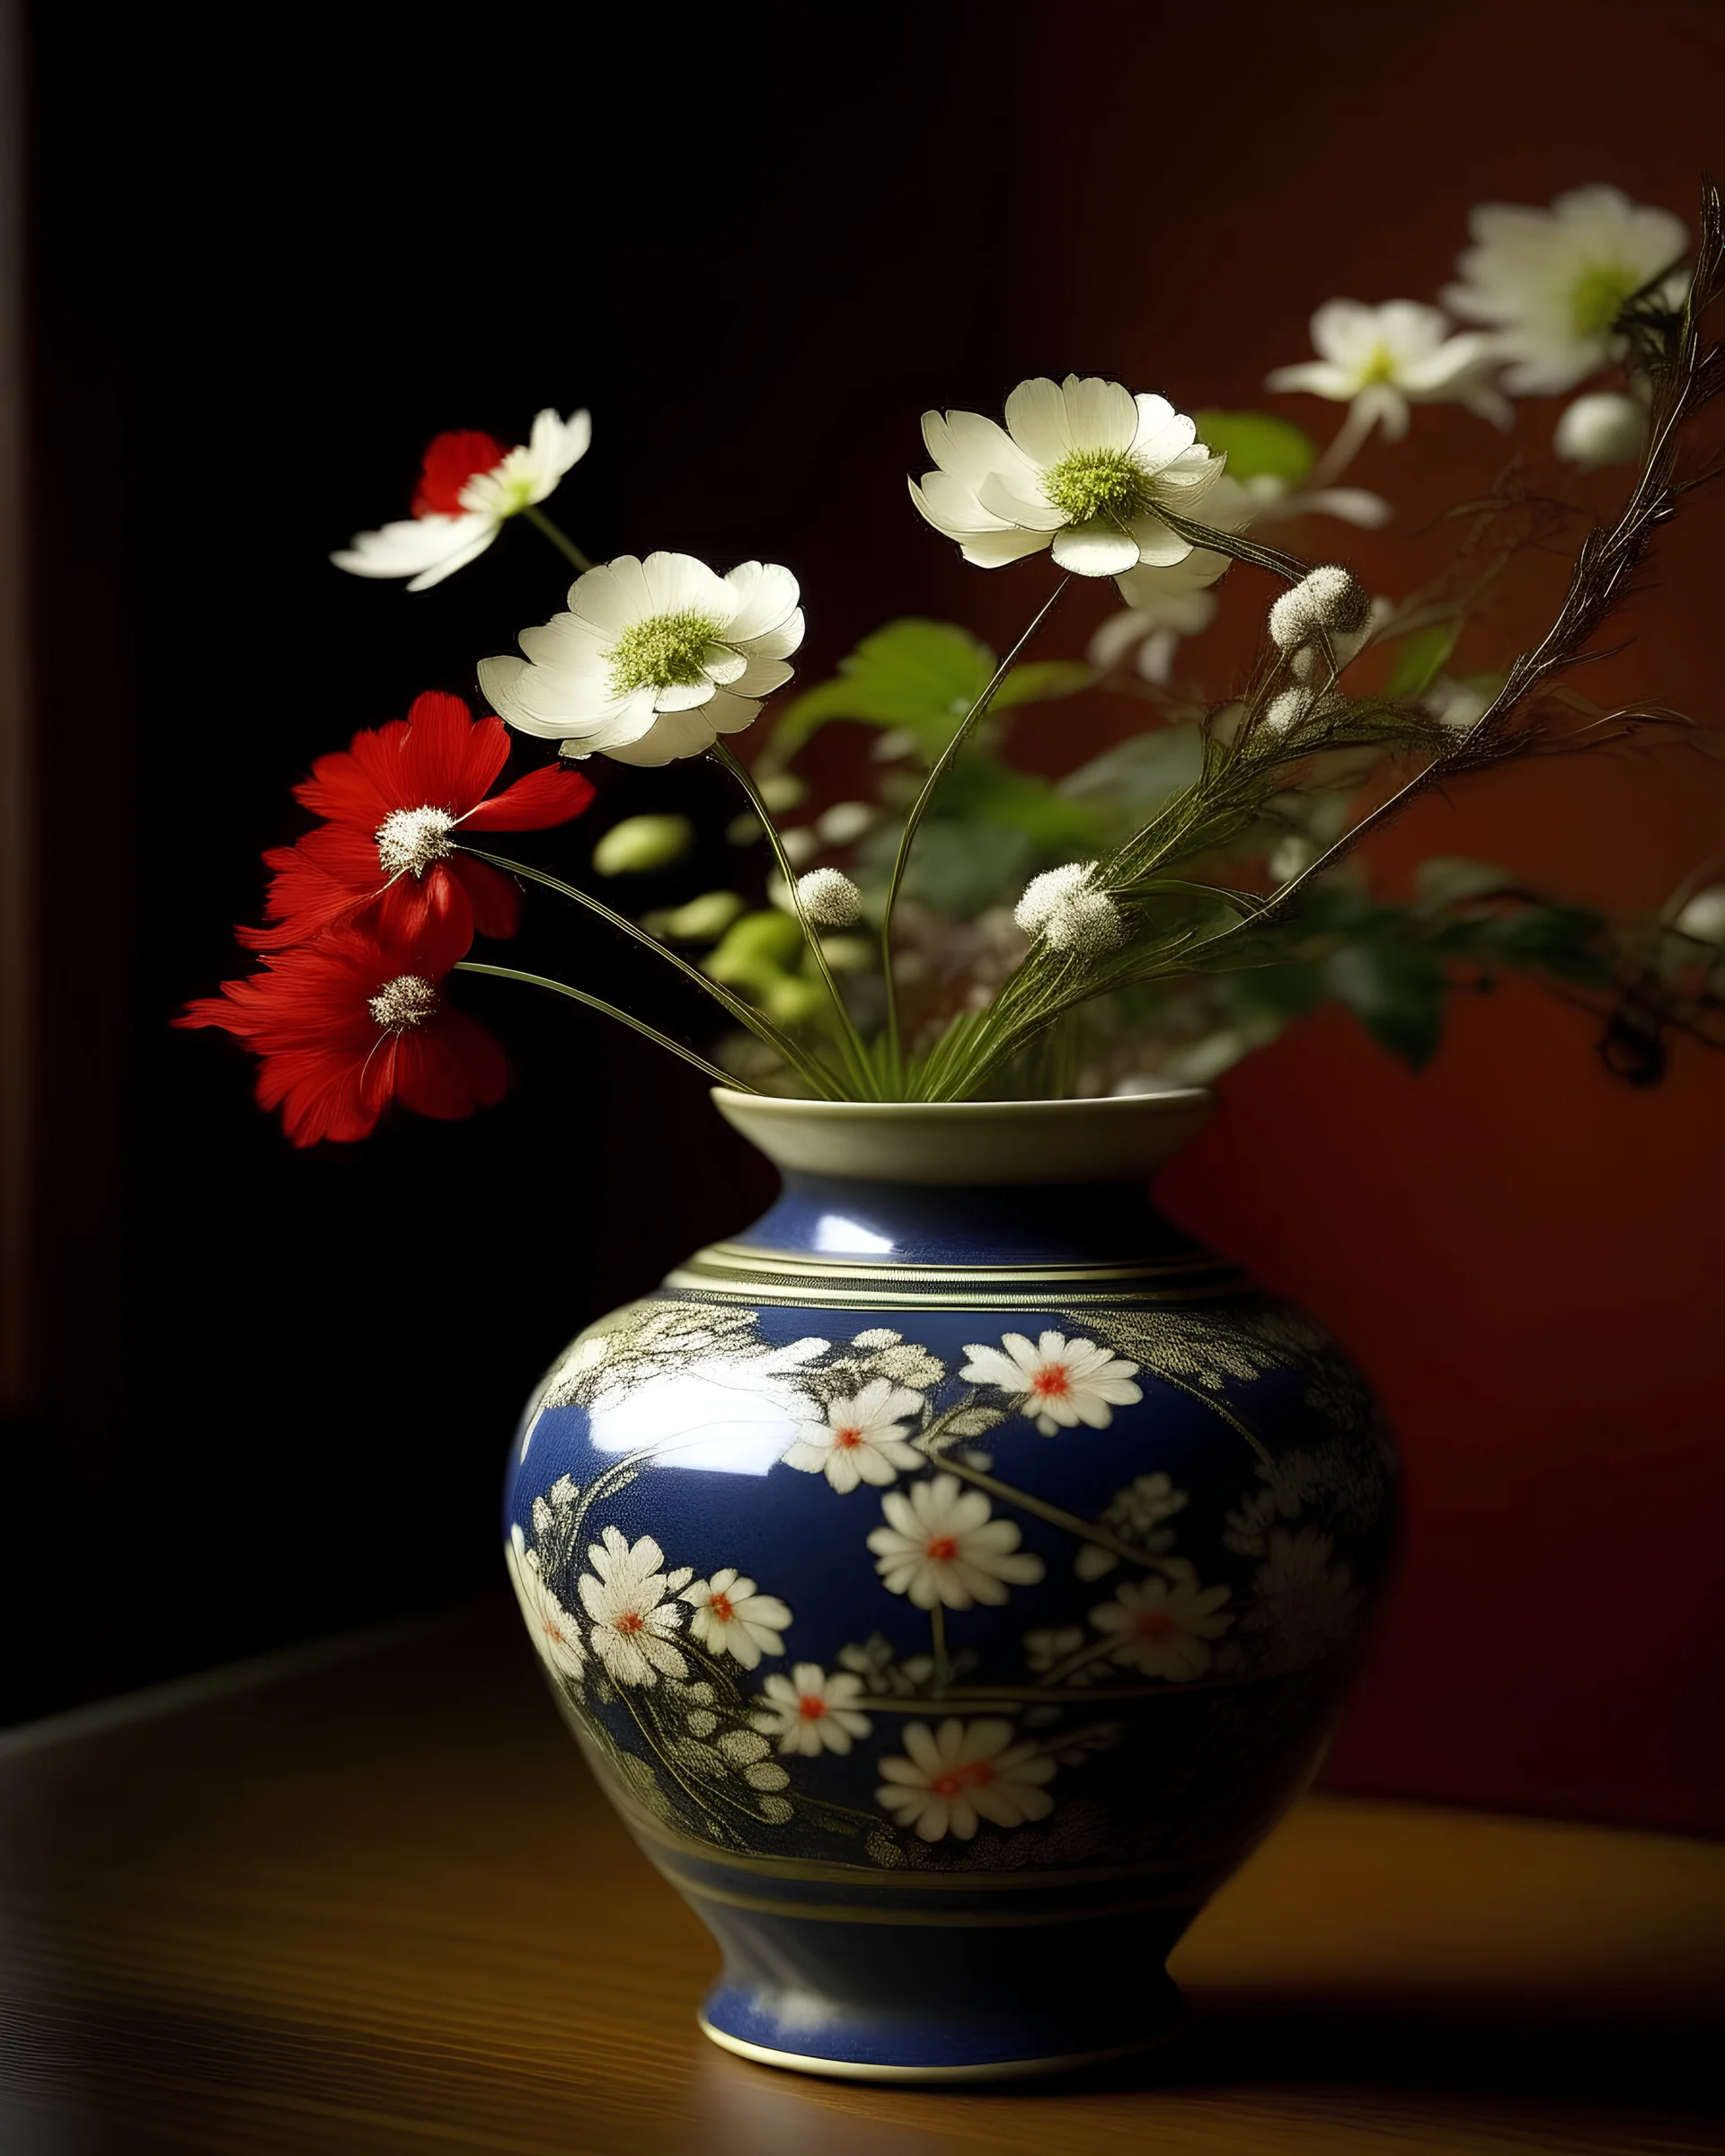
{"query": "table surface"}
(368, 1900)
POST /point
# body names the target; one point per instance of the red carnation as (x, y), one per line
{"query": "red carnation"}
(393, 799)
(451, 461)
(350, 1022)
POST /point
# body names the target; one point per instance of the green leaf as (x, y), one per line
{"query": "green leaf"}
(919, 674)
(1561, 941)
(1136, 775)
(957, 868)
(1042, 681)
(1447, 880)
(1396, 991)
(980, 789)
(1258, 445)
(1419, 660)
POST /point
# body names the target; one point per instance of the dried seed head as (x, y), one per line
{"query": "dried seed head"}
(830, 898)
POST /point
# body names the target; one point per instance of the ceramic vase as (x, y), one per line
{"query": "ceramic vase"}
(950, 1579)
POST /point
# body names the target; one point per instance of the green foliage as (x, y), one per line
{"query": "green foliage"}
(957, 868)
(1129, 782)
(1396, 991)
(1258, 445)
(757, 951)
(922, 677)
(1419, 659)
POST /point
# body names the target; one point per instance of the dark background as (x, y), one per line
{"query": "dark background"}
(271, 1390)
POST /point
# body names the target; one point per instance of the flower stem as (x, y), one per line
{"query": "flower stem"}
(895, 1052)
(856, 1056)
(1350, 439)
(757, 1022)
(598, 1002)
(937, 1628)
(558, 537)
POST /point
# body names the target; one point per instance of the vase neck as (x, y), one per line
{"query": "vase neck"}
(858, 1218)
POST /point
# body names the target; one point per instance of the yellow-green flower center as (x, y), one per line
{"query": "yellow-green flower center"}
(662, 652)
(1596, 297)
(1379, 367)
(1098, 483)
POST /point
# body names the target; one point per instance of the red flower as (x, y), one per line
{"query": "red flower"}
(393, 799)
(350, 1022)
(451, 461)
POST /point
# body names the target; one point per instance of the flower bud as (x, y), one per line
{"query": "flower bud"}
(1087, 923)
(1044, 893)
(830, 898)
(1287, 710)
(1606, 427)
(639, 844)
(703, 919)
(1703, 917)
(1330, 607)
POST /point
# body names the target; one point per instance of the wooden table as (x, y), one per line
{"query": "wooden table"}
(368, 1901)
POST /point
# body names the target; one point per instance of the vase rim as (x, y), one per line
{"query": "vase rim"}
(1124, 1137)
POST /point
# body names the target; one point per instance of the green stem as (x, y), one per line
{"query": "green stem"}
(1235, 545)
(745, 1014)
(856, 1055)
(937, 1628)
(895, 1052)
(558, 537)
(598, 1002)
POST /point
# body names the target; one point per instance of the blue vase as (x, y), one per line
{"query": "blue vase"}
(951, 1579)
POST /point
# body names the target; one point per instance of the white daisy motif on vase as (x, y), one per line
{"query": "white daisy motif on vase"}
(1061, 1382)
(952, 1778)
(731, 1617)
(653, 660)
(1081, 466)
(626, 1597)
(1380, 360)
(555, 1633)
(1306, 1602)
(1549, 284)
(467, 509)
(1163, 1627)
(812, 1712)
(940, 1546)
(862, 1439)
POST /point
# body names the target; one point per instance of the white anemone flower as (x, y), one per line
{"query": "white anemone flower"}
(1061, 1382)
(1163, 605)
(952, 1778)
(555, 1633)
(653, 660)
(625, 1597)
(1081, 466)
(940, 1545)
(812, 1712)
(1550, 283)
(1380, 360)
(732, 1617)
(470, 487)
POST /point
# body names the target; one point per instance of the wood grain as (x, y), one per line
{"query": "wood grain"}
(378, 1906)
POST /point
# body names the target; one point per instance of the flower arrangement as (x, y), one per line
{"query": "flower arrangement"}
(972, 929)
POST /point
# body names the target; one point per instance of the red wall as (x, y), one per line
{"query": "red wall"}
(1525, 1254)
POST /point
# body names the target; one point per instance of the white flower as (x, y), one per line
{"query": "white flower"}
(1046, 894)
(1163, 605)
(654, 659)
(844, 822)
(624, 1595)
(1379, 360)
(1163, 1626)
(1082, 465)
(811, 1713)
(1249, 1524)
(730, 1617)
(1062, 1383)
(962, 1773)
(1551, 283)
(454, 521)
(1703, 917)
(830, 898)
(1043, 1649)
(940, 1545)
(1308, 1605)
(1327, 607)
(554, 1631)
(862, 1438)
(1606, 427)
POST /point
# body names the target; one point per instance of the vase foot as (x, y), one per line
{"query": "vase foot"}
(866, 2070)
